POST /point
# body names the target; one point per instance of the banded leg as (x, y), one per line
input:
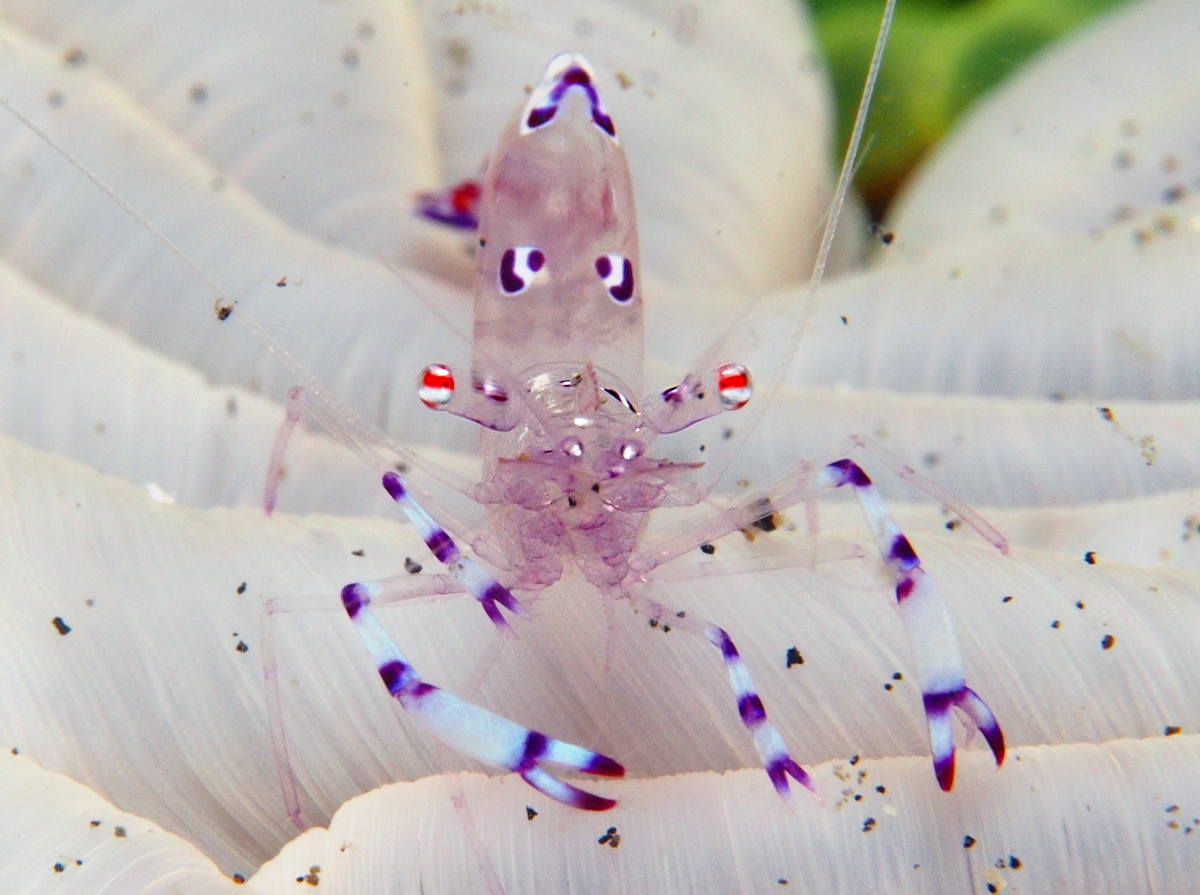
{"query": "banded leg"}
(472, 730)
(927, 624)
(771, 748)
(486, 589)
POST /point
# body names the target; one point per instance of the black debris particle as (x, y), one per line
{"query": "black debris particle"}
(313, 877)
(60, 626)
(59, 867)
(1079, 604)
(845, 320)
(281, 283)
(1107, 641)
(854, 759)
(55, 99)
(198, 93)
(727, 434)
(79, 862)
(358, 552)
(1170, 730)
(1106, 413)
(119, 832)
(858, 797)
(881, 789)
(953, 524)
(897, 676)
(611, 838)
(968, 841)
(572, 502)
(15, 751)
(412, 566)
(238, 878)
(991, 887)
(884, 236)
(242, 647)
(222, 310)
(241, 588)
(708, 549)
(868, 825)
(782, 881)
(1006, 599)
(888, 687)
(1171, 809)
(794, 657)
(530, 813)
(94, 823)
(1014, 862)
(1056, 624)
(1174, 193)
(1090, 557)
(682, 613)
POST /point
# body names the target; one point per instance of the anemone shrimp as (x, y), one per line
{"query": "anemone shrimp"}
(345, 648)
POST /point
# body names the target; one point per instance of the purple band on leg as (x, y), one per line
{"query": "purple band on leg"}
(393, 486)
(750, 707)
(352, 599)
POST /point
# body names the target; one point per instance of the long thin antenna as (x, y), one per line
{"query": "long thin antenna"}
(851, 157)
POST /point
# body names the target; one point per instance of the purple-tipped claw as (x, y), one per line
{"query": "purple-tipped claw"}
(941, 732)
(549, 785)
(779, 770)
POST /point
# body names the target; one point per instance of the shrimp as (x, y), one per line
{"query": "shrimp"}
(560, 489)
(569, 474)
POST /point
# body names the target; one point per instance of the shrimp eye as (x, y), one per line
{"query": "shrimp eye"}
(733, 385)
(518, 267)
(617, 273)
(437, 386)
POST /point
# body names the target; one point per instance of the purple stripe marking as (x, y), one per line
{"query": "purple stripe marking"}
(904, 587)
(624, 290)
(538, 117)
(509, 281)
(394, 486)
(535, 748)
(489, 606)
(851, 473)
(903, 551)
(352, 599)
(943, 767)
(459, 220)
(442, 547)
(589, 802)
(940, 703)
(750, 707)
(604, 122)
(393, 674)
(603, 766)
(501, 595)
(721, 640)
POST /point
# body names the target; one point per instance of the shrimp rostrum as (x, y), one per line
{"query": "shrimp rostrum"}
(570, 473)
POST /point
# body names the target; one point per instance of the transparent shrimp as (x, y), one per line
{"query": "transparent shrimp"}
(569, 475)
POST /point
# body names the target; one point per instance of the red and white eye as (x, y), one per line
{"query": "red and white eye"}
(617, 273)
(518, 267)
(437, 386)
(733, 385)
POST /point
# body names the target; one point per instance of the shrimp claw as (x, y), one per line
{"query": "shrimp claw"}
(472, 730)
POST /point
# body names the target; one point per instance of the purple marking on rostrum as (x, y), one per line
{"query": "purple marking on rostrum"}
(750, 707)
(538, 117)
(352, 599)
(904, 587)
(441, 546)
(535, 748)
(903, 551)
(393, 486)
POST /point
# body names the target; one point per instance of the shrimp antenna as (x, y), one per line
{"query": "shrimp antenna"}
(326, 409)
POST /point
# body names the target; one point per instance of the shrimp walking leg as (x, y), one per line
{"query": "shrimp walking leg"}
(927, 623)
(472, 730)
(771, 748)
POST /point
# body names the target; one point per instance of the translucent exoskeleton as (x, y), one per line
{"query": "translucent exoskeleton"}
(570, 470)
